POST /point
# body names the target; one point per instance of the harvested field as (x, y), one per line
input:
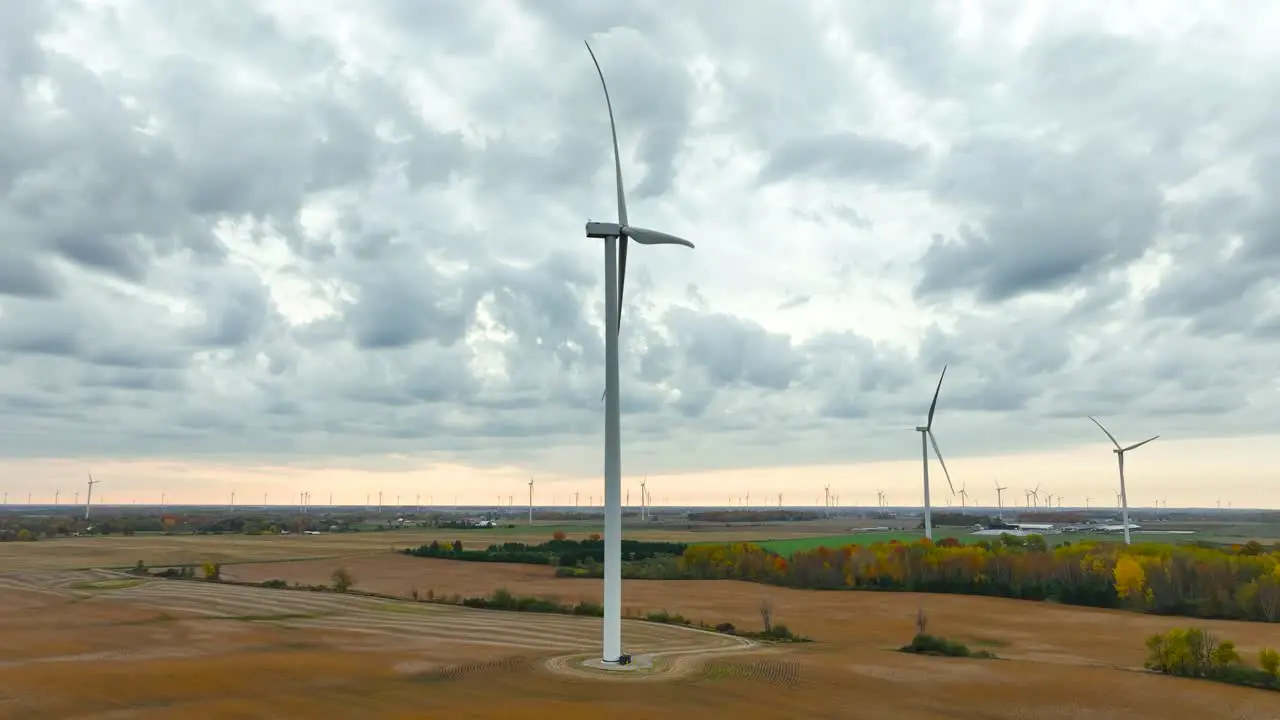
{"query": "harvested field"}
(1038, 642)
(161, 649)
(158, 550)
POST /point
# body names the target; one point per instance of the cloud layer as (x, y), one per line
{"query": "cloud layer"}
(269, 231)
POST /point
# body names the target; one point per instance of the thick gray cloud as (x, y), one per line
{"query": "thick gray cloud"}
(313, 231)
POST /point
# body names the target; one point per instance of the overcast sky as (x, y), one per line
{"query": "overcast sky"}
(278, 245)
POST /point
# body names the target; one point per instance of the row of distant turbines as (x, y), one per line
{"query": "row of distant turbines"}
(1033, 499)
(57, 497)
(927, 440)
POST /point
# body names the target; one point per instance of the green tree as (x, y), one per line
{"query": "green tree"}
(1036, 543)
(1269, 661)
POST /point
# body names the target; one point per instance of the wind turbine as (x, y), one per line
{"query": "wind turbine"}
(88, 501)
(927, 439)
(530, 501)
(644, 498)
(999, 500)
(615, 236)
(964, 497)
(56, 494)
(1120, 451)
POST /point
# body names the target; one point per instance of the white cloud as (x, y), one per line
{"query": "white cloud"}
(285, 230)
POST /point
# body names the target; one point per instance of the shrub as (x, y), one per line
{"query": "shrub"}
(586, 607)
(662, 616)
(1192, 652)
(558, 535)
(1269, 661)
(342, 580)
(1189, 652)
(923, 644)
(213, 571)
(277, 584)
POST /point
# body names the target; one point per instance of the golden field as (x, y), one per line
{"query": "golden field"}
(93, 644)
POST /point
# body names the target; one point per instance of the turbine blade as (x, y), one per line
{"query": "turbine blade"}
(645, 236)
(617, 171)
(934, 442)
(1138, 445)
(1113, 437)
(934, 405)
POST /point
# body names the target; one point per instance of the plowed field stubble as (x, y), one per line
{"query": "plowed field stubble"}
(97, 644)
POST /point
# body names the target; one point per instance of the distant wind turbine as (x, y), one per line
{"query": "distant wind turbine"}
(531, 501)
(88, 501)
(56, 494)
(964, 497)
(927, 439)
(1120, 451)
(615, 236)
(1000, 500)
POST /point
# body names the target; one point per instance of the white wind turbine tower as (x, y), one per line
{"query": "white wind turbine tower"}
(88, 501)
(531, 501)
(964, 497)
(644, 498)
(927, 439)
(615, 236)
(999, 500)
(57, 493)
(1120, 451)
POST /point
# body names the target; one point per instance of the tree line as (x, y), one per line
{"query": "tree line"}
(557, 551)
(1239, 582)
